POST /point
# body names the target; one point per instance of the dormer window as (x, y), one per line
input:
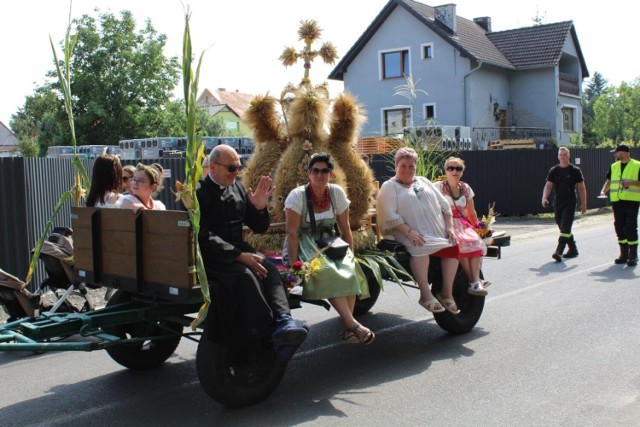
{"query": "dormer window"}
(395, 63)
(427, 50)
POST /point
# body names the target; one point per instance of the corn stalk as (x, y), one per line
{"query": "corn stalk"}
(77, 191)
(193, 165)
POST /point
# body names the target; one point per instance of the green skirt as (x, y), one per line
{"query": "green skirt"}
(333, 278)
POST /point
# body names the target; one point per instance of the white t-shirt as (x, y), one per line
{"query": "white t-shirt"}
(297, 202)
(129, 201)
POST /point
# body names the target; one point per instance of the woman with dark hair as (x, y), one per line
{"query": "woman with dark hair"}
(106, 181)
(339, 281)
(144, 185)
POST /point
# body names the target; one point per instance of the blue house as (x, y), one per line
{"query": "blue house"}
(503, 85)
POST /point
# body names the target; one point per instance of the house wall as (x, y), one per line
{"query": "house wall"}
(485, 86)
(230, 117)
(441, 76)
(539, 110)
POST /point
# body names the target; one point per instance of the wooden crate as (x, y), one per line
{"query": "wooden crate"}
(510, 144)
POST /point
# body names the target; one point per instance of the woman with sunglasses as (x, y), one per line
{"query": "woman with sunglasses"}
(146, 182)
(413, 212)
(338, 281)
(460, 196)
(106, 181)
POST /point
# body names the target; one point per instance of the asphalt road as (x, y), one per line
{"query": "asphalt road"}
(556, 345)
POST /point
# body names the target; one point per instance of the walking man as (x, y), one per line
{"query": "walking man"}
(623, 185)
(564, 178)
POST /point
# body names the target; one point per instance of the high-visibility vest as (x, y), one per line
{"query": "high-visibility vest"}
(616, 191)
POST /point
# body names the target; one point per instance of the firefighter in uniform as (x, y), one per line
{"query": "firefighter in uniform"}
(623, 185)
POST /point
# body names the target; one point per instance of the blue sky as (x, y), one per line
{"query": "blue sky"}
(245, 38)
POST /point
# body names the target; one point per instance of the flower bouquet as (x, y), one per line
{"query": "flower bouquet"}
(299, 272)
(483, 226)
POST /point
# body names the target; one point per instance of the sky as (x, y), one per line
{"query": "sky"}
(244, 38)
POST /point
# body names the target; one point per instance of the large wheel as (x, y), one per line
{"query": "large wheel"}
(144, 354)
(239, 376)
(364, 305)
(470, 306)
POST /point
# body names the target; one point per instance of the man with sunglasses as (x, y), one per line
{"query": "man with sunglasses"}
(248, 296)
(623, 185)
(564, 178)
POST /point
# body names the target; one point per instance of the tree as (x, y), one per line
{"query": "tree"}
(173, 122)
(29, 147)
(120, 81)
(596, 87)
(617, 113)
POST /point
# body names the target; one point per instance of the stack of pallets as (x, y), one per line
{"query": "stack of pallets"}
(510, 144)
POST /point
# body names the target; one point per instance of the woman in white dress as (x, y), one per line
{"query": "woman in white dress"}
(145, 183)
(106, 182)
(413, 212)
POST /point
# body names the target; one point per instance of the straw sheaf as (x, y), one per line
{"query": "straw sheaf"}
(263, 162)
(262, 117)
(308, 114)
(345, 125)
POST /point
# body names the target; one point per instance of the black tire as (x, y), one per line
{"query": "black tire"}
(364, 305)
(239, 376)
(145, 354)
(470, 306)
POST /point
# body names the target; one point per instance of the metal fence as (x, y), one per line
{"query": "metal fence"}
(483, 136)
(513, 179)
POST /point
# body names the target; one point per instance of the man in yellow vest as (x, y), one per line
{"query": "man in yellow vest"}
(623, 185)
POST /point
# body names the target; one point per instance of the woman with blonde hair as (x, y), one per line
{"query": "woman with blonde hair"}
(413, 212)
(460, 196)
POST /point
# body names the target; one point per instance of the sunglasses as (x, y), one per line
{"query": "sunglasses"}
(230, 168)
(125, 178)
(455, 168)
(317, 171)
(139, 181)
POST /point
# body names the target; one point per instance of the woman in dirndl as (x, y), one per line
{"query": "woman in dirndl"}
(460, 196)
(339, 281)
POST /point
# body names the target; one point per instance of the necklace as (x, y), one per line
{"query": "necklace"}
(403, 184)
(453, 196)
(323, 204)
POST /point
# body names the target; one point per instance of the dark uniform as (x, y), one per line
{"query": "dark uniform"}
(564, 204)
(243, 306)
(625, 203)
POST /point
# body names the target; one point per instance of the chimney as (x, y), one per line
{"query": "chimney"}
(484, 22)
(221, 89)
(446, 15)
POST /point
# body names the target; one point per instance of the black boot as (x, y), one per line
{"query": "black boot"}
(624, 254)
(573, 249)
(557, 255)
(633, 256)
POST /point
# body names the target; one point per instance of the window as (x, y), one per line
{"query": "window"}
(395, 64)
(568, 119)
(429, 111)
(396, 120)
(427, 51)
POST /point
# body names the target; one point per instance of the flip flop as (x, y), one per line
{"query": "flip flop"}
(430, 305)
(449, 304)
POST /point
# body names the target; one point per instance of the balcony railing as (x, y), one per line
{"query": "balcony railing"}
(568, 84)
(483, 136)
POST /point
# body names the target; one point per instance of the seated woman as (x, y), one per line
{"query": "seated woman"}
(127, 174)
(338, 281)
(145, 184)
(413, 212)
(106, 182)
(460, 196)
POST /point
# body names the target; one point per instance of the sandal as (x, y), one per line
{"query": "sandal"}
(485, 283)
(430, 305)
(366, 338)
(449, 304)
(477, 289)
(349, 337)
